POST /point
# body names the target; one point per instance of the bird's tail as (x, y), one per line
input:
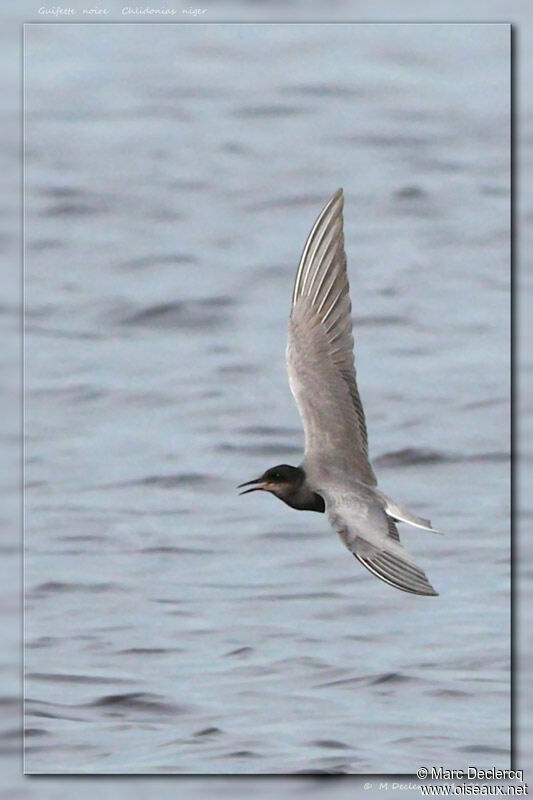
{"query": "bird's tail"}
(402, 514)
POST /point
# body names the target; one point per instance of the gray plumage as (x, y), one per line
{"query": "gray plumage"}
(321, 370)
(336, 476)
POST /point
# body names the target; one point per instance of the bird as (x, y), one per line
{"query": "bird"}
(335, 476)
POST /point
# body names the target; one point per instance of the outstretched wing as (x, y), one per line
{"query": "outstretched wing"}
(395, 567)
(400, 574)
(320, 359)
(373, 539)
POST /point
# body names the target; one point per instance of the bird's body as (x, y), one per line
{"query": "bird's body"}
(336, 476)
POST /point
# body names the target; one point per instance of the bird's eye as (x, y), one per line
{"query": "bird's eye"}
(275, 475)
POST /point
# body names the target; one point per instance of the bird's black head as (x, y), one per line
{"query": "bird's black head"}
(289, 484)
(276, 480)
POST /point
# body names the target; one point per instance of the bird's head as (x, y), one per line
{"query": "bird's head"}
(290, 485)
(283, 481)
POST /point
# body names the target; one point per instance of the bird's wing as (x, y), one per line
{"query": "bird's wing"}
(373, 539)
(320, 359)
(400, 574)
(393, 568)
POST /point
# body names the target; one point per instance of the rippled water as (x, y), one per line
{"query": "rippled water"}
(172, 175)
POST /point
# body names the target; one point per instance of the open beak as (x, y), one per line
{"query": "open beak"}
(261, 486)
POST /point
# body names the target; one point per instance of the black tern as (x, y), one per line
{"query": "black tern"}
(335, 476)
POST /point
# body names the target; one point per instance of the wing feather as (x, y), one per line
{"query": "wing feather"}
(320, 357)
(398, 573)
(372, 537)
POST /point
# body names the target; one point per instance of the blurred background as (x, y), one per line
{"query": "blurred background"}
(156, 377)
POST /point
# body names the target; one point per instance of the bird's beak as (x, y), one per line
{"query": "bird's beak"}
(260, 487)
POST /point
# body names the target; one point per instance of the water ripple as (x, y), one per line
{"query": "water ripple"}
(194, 314)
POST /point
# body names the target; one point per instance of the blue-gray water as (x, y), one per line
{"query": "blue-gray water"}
(172, 175)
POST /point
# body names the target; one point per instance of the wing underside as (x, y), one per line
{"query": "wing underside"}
(398, 573)
(320, 357)
(374, 540)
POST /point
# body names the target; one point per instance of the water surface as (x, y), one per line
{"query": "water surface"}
(172, 175)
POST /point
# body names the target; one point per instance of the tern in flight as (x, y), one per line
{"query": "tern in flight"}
(335, 476)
